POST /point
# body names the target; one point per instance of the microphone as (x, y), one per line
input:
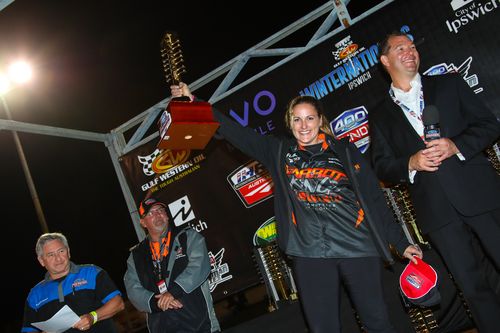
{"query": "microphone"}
(430, 118)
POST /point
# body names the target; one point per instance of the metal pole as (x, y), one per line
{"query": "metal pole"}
(27, 173)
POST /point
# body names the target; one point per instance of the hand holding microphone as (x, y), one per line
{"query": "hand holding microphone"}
(430, 118)
(438, 149)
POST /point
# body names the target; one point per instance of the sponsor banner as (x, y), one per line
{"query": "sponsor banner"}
(223, 194)
(266, 233)
(219, 269)
(193, 185)
(252, 183)
(352, 124)
(469, 12)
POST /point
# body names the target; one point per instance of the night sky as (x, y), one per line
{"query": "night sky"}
(97, 64)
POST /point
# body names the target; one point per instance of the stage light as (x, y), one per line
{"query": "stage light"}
(20, 72)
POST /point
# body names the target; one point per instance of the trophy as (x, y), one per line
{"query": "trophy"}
(184, 124)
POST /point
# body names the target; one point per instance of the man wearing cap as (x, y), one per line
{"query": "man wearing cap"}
(167, 275)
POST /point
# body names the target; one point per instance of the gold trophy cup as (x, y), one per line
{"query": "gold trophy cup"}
(185, 124)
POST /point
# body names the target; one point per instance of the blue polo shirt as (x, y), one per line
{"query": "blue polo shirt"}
(85, 289)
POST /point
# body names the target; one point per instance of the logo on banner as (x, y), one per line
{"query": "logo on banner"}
(169, 165)
(468, 11)
(345, 48)
(262, 105)
(181, 211)
(353, 123)
(456, 4)
(160, 160)
(266, 233)
(252, 183)
(218, 270)
(406, 30)
(352, 68)
(463, 69)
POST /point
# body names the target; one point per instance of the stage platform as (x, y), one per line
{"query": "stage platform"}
(251, 311)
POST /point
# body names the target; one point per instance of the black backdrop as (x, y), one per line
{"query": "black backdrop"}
(224, 194)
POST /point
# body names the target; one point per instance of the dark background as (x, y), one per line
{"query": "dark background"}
(97, 64)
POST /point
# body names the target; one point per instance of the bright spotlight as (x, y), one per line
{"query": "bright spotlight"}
(20, 72)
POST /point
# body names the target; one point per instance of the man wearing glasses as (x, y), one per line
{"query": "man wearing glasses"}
(167, 275)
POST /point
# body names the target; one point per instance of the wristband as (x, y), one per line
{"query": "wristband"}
(94, 316)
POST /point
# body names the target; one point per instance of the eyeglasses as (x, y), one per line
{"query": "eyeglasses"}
(59, 252)
(160, 210)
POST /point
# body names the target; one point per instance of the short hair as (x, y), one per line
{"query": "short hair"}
(306, 99)
(383, 45)
(47, 237)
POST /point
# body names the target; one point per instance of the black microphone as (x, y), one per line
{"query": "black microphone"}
(430, 118)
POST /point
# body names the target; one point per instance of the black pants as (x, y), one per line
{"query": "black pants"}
(319, 281)
(454, 242)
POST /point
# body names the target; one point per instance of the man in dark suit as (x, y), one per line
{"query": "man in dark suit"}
(454, 188)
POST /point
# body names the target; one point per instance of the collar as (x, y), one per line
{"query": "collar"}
(163, 234)
(322, 138)
(73, 268)
(415, 84)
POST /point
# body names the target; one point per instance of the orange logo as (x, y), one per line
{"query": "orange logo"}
(348, 51)
(168, 159)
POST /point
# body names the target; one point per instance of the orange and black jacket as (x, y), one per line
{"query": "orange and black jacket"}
(293, 240)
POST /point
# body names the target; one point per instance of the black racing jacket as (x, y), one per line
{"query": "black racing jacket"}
(271, 150)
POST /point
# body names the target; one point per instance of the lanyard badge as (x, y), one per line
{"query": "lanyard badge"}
(157, 255)
(162, 286)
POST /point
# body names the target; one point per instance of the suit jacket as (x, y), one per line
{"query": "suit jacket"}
(470, 187)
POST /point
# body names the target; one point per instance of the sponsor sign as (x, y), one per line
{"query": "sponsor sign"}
(252, 183)
(468, 12)
(219, 270)
(353, 123)
(266, 233)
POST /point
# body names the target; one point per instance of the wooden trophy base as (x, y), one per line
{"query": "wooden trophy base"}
(186, 125)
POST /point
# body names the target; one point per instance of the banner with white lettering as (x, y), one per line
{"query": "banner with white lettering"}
(227, 195)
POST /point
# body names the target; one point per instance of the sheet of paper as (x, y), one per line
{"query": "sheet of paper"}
(60, 322)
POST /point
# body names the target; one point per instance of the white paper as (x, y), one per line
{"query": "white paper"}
(60, 322)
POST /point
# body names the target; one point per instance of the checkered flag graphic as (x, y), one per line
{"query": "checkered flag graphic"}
(147, 161)
(341, 46)
(336, 55)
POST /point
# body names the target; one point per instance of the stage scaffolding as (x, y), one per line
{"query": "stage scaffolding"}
(119, 143)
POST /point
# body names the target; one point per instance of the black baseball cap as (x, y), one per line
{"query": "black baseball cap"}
(146, 205)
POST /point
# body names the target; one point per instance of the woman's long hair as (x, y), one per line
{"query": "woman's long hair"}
(325, 124)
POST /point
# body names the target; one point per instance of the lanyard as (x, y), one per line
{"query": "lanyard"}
(417, 118)
(157, 254)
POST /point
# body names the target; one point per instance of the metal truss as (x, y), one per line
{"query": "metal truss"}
(115, 140)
